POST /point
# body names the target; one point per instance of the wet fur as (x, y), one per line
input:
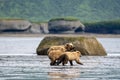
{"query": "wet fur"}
(70, 56)
(55, 52)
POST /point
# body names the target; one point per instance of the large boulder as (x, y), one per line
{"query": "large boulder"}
(65, 26)
(14, 25)
(86, 45)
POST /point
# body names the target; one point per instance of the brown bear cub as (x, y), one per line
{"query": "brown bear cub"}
(70, 56)
(54, 52)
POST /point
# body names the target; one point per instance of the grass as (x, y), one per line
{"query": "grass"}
(65, 18)
(39, 22)
(9, 19)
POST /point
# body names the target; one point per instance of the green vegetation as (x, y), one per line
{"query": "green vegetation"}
(37, 22)
(99, 16)
(65, 18)
(44, 10)
(8, 19)
(103, 27)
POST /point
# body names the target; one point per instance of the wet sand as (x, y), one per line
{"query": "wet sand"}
(67, 35)
(38, 68)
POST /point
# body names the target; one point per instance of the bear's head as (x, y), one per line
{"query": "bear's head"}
(69, 46)
(79, 53)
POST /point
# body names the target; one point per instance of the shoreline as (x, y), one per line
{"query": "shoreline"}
(65, 35)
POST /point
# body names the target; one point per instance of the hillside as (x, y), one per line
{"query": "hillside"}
(44, 10)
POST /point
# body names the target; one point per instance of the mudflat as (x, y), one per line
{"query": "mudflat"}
(38, 68)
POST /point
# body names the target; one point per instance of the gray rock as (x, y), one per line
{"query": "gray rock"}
(86, 45)
(64, 26)
(14, 25)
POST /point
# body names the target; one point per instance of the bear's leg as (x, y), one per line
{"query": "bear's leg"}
(78, 61)
(71, 63)
(58, 62)
(52, 63)
(62, 59)
(64, 62)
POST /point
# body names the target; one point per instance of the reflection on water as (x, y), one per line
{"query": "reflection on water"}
(61, 76)
(62, 73)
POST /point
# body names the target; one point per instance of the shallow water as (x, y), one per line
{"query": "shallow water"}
(18, 45)
(18, 61)
(111, 45)
(38, 68)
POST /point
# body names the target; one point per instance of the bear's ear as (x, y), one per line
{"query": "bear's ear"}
(78, 52)
(67, 44)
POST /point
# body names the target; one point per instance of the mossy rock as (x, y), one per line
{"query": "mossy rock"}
(86, 45)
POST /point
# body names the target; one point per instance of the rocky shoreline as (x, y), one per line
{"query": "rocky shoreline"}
(58, 26)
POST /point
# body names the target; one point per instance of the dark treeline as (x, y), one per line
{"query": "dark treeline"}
(103, 27)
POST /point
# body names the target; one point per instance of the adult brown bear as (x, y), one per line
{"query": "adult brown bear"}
(70, 56)
(66, 47)
(55, 52)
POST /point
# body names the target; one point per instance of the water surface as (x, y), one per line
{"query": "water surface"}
(111, 45)
(18, 45)
(18, 61)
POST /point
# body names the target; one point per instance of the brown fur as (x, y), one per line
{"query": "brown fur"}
(69, 46)
(54, 55)
(61, 48)
(55, 52)
(70, 56)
